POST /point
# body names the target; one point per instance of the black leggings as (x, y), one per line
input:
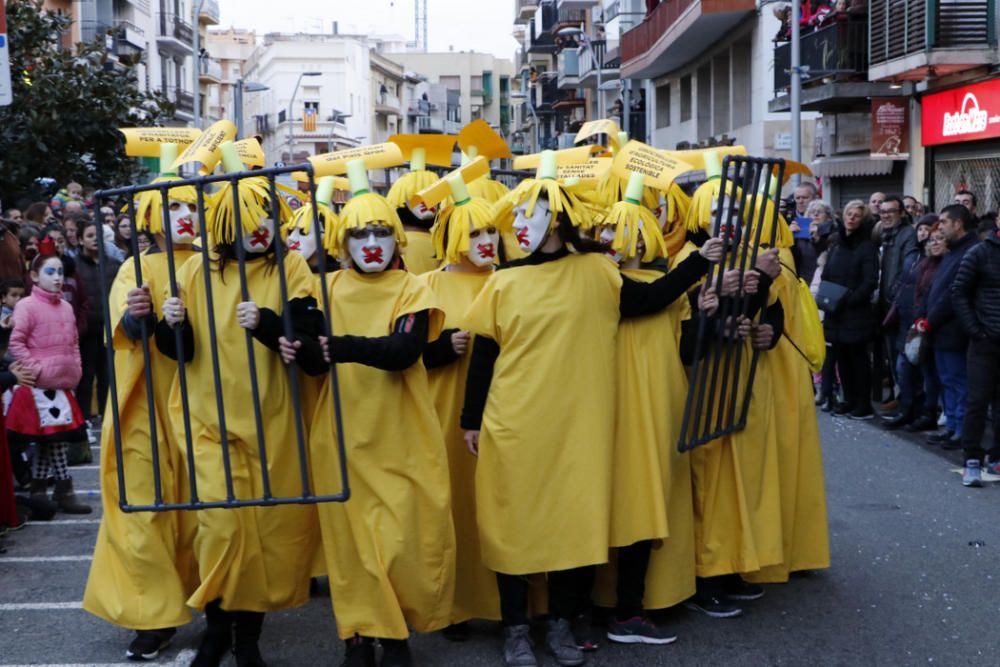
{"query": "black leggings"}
(569, 594)
(855, 369)
(633, 562)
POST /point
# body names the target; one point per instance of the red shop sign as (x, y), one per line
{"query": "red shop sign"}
(961, 114)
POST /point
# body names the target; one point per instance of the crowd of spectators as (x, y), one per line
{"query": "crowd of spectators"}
(911, 303)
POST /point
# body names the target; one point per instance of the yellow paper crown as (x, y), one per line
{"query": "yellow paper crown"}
(478, 138)
(452, 230)
(486, 188)
(561, 199)
(302, 217)
(149, 204)
(362, 209)
(407, 185)
(254, 195)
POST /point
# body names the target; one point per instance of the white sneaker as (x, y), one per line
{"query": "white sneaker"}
(942, 419)
(973, 474)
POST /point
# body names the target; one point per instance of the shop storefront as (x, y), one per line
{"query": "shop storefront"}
(960, 128)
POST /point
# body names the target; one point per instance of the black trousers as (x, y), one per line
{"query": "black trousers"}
(569, 594)
(94, 359)
(855, 373)
(633, 563)
(983, 372)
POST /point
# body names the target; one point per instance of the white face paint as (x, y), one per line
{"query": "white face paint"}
(726, 231)
(304, 244)
(483, 244)
(183, 222)
(531, 231)
(371, 248)
(607, 236)
(260, 239)
(421, 212)
(50, 275)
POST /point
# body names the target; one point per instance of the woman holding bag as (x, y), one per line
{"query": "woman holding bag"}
(851, 277)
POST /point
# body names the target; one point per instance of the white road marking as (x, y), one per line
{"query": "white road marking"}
(86, 467)
(183, 659)
(39, 606)
(62, 522)
(43, 559)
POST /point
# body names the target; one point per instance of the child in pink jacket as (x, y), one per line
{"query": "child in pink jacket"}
(45, 341)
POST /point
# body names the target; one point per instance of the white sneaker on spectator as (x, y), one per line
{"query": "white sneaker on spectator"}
(942, 420)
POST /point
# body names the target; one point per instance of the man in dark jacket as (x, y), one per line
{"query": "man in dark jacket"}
(975, 293)
(92, 351)
(947, 338)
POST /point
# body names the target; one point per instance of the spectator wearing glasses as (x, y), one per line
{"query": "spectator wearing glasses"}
(804, 251)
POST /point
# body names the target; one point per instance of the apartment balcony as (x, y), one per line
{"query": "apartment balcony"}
(916, 39)
(588, 64)
(569, 18)
(568, 66)
(677, 32)
(568, 100)
(524, 10)
(387, 105)
(128, 39)
(209, 14)
(182, 99)
(549, 96)
(835, 69)
(431, 125)
(575, 5)
(421, 108)
(176, 35)
(541, 30)
(209, 71)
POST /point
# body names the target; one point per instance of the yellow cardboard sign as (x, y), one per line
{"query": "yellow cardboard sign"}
(250, 152)
(145, 141)
(793, 167)
(434, 194)
(563, 157)
(205, 148)
(438, 147)
(605, 126)
(587, 173)
(375, 156)
(696, 157)
(659, 168)
(486, 141)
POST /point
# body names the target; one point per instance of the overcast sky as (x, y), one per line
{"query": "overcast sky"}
(466, 25)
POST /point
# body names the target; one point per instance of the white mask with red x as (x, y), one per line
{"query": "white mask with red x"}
(371, 248)
(183, 222)
(260, 239)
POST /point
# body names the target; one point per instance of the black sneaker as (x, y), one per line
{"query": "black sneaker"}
(359, 652)
(396, 653)
(736, 588)
(586, 639)
(939, 437)
(952, 444)
(925, 422)
(861, 414)
(712, 606)
(639, 630)
(148, 643)
(456, 632)
(841, 409)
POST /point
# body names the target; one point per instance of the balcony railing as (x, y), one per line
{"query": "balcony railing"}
(183, 100)
(902, 27)
(838, 51)
(639, 39)
(209, 12)
(386, 102)
(175, 26)
(209, 70)
(421, 108)
(541, 39)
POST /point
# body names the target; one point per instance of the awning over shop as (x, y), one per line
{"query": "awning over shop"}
(839, 166)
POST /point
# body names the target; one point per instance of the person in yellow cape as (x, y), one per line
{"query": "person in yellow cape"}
(804, 530)
(652, 519)
(735, 477)
(143, 568)
(466, 240)
(390, 550)
(536, 407)
(254, 559)
(420, 150)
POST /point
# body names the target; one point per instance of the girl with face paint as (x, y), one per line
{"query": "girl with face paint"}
(144, 568)
(251, 560)
(467, 241)
(544, 436)
(390, 550)
(45, 342)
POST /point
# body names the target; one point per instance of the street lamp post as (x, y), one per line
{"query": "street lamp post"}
(795, 91)
(291, 102)
(195, 87)
(241, 87)
(585, 38)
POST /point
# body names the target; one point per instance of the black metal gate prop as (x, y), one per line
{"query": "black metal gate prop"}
(718, 402)
(194, 502)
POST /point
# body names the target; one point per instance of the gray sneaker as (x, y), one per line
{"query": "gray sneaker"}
(973, 475)
(517, 647)
(560, 643)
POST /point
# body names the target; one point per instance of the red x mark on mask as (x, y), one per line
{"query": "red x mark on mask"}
(260, 237)
(185, 226)
(522, 236)
(294, 245)
(486, 250)
(373, 255)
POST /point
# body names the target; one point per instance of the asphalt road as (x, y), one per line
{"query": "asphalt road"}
(914, 582)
